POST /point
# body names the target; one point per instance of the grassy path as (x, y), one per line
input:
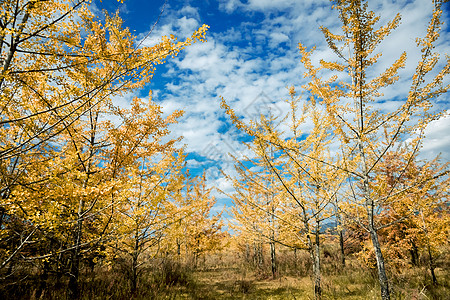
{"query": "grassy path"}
(352, 284)
(228, 283)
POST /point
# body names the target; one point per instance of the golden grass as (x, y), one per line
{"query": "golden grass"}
(231, 278)
(352, 283)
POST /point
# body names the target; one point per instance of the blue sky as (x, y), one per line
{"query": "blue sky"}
(250, 58)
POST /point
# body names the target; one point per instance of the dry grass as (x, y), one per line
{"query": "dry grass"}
(229, 277)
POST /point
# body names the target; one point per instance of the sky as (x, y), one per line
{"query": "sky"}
(250, 59)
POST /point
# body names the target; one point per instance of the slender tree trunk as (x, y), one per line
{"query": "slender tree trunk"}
(134, 275)
(43, 281)
(295, 258)
(341, 246)
(414, 254)
(256, 255)
(134, 263)
(316, 266)
(261, 256)
(314, 254)
(431, 264)
(315, 259)
(178, 248)
(382, 277)
(73, 289)
(273, 259)
(370, 207)
(258, 258)
(195, 260)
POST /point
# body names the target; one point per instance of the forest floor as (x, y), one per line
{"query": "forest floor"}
(233, 283)
(231, 279)
(230, 283)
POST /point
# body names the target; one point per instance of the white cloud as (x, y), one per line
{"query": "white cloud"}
(437, 139)
(229, 6)
(190, 11)
(277, 38)
(180, 23)
(253, 58)
(215, 68)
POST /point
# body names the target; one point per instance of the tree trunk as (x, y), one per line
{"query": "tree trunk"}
(414, 251)
(247, 253)
(134, 263)
(315, 259)
(295, 259)
(178, 248)
(134, 275)
(316, 266)
(370, 207)
(194, 257)
(273, 260)
(341, 244)
(261, 255)
(73, 289)
(43, 281)
(258, 256)
(382, 277)
(432, 266)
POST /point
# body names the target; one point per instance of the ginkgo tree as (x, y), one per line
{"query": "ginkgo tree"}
(61, 170)
(300, 171)
(196, 230)
(368, 133)
(364, 134)
(426, 228)
(256, 203)
(142, 166)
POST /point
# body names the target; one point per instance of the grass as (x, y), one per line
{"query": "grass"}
(230, 283)
(234, 279)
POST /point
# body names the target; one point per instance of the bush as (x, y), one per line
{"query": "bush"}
(171, 273)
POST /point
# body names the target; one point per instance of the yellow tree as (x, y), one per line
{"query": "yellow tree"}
(60, 67)
(196, 231)
(420, 211)
(302, 168)
(255, 204)
(257, 199)
(368, 133)
(143, 166)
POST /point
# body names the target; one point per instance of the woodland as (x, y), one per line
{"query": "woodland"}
(96, 201)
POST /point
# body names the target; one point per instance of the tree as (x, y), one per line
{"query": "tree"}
(257, 198)
(367, 134)
(145, 167)
(60, 68)
(302, 168)
(195, 229)
(426, 228)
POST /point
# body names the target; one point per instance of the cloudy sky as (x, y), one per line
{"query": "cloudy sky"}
(251, 57)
